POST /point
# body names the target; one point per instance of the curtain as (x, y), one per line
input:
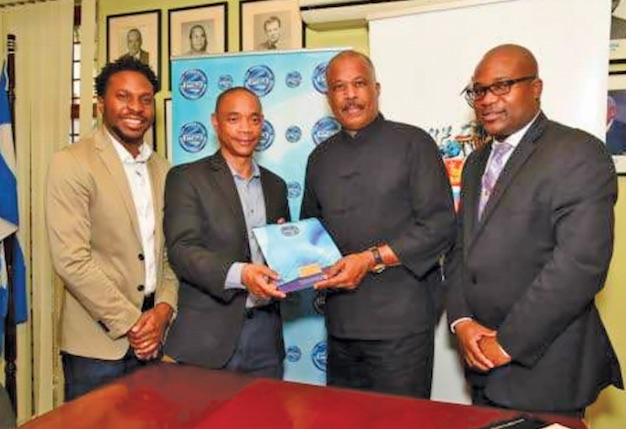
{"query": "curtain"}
(42, 114)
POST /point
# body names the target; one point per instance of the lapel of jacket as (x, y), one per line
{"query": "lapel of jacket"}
(112, 163)
(472, 194)
(272, 209)
(518, 158)
(226, 186)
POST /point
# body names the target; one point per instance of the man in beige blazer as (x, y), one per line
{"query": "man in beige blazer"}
(104, 209)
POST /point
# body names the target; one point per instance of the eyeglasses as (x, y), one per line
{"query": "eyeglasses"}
(502, 87)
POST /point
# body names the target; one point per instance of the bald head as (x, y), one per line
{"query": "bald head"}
(351, 56)
(514, 69)
(515, 56)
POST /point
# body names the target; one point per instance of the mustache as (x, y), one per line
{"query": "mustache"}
(352, 104)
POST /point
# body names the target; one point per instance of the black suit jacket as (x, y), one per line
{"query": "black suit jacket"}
(531, 267)
(616, 138)
(205, 233)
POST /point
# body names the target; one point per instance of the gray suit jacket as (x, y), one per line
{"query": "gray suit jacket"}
(205, 233)
(531, 267)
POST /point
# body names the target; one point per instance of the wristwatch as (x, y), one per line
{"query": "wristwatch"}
(379, 264)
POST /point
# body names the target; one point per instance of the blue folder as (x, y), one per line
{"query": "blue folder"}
(298, 251)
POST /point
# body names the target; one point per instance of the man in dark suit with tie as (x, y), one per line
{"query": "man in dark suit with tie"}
(534, 244)
(228, 316)
(615, 129)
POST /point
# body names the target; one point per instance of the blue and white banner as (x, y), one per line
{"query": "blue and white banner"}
(291, 86)
(9, 217)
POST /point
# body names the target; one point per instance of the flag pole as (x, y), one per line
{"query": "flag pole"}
(10, 334)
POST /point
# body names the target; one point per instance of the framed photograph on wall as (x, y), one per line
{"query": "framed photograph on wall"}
(616, 119)
(618, 30)
(269, 24)
(198, 30)
(135, 34)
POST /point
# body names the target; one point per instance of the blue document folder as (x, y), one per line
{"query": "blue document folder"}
(298, 251)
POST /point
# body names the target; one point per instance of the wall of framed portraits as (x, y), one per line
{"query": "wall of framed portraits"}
(197, 27)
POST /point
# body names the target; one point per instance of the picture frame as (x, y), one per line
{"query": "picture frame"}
(270, 24)
(167, 113)
(137, 34)
(616, 114)
(617, 46)
(189, 24)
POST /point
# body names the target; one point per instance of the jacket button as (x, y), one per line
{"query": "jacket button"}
(141, 257)
(140, 288)
(473, 279)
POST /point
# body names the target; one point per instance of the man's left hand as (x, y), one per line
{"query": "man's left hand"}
(494, 351)
(146, 335)
(348, 272)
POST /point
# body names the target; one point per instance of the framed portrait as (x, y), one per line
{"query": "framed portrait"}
(270, 24)
(618, 30)
(198, 30)
(135, 34)
(167, 112)
(616, 119)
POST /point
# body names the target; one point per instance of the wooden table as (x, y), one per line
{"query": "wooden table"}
(177, 396)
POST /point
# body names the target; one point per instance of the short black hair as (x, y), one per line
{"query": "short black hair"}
(125, 63)
(231, 90)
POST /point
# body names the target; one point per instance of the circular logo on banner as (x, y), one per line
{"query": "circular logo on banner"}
(225, 82)
(193, 84)
(318, 355)
(293, 354)
(319, 78)
(294, 79)
(293, 134)
(289, 230)
(294, 190)
(193, 137)
(325, 128)
(259, 79)
(267, 137)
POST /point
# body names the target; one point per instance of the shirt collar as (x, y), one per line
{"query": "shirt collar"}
(256, 171)
(515, 138)
(145, 151)
(368, 129)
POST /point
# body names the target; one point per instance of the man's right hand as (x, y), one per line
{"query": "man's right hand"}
(261, 281)
(469, 333)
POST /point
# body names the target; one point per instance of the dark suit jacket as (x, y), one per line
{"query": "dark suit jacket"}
(531, 267)
(616, 138)
(205, 233)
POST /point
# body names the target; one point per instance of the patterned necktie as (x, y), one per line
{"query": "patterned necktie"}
(496, 164)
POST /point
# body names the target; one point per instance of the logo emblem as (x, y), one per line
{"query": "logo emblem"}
(318, 355)
(259, 79)
(294, 190)
(293, 79)
(324, 129)
(319, 78)
(293, 134)
(289, 230)
(193, 84)
(267, 137)
(293, 354)
(193, 137)
(225, 82)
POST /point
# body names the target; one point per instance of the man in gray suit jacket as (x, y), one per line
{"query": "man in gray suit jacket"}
(533, 249)
(228, 315)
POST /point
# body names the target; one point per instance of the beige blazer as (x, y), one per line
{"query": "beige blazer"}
(96, 246)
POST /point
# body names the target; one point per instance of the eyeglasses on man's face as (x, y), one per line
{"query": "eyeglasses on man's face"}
(475, 92)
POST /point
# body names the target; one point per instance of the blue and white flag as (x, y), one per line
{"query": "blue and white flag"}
(9, 216)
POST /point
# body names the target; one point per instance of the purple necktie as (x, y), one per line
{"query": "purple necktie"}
(496, 164)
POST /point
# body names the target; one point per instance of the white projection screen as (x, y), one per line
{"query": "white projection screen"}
(426, 56)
